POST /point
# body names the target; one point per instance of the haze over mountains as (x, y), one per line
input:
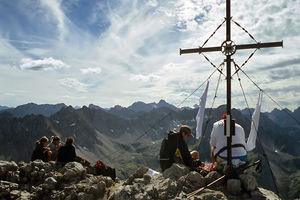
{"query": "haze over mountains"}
(111, 135)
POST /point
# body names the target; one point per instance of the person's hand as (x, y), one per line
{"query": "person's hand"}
(198, 163)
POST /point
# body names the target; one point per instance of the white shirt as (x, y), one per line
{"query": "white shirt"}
(219, 140)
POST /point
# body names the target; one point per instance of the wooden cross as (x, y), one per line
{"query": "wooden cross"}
(228, 48)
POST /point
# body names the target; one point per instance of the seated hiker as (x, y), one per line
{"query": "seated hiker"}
(54, 146)
(66, 153)
(174, 149)
(218, 143)
(41, 151)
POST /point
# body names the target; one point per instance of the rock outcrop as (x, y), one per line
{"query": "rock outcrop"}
(177, 181)
(39, 180)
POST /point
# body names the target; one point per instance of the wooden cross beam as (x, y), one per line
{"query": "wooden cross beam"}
(228, 48)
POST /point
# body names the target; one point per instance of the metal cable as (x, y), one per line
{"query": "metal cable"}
(239, 68)
(213, 33)
(256, 129)
(212, 64)
(274, 101)
(244, 30)
(165, 116)
(213, 102)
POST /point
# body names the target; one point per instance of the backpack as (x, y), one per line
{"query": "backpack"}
(102, 169)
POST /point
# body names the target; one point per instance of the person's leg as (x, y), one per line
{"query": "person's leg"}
(195, 155)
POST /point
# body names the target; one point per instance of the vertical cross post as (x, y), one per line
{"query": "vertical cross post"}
(228, 48)
(228, 83)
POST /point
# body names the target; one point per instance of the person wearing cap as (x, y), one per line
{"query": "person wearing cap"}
(218, 143)
(175, 150)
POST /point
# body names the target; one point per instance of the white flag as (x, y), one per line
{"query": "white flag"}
(200, 114)
(254, 125)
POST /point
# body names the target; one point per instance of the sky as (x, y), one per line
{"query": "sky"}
(116, 52)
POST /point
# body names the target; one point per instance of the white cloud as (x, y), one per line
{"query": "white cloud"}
(73, 83)
(145, 78)
(138, 45)
(90, 70)
(55, 13)
(42, 64)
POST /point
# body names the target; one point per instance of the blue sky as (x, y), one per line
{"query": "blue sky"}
(109, 52)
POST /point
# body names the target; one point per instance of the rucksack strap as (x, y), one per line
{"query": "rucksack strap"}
(225, 148)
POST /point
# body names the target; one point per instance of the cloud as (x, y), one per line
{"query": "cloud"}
(90, 70)
(73, 83)
(46, 64)
(145, 78)
(55, 13)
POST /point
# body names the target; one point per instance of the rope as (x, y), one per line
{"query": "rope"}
(274, 101)
(239, 68)
(213, 102)
(156, 122)
(256, 129)
(244, 30)
(213, 33)
(214, 64)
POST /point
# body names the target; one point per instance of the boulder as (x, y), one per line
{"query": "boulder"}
(248, 182)
(50, 183)
(176, 171)
(234, 186)
(137, 174)
(212, 176)
(73, 171)
(8, 171)
(6, 187)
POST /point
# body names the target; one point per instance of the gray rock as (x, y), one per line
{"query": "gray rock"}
(248, 182)
(50, 183)
(13, 176)
(262, 193)
(6, 187)
(211, 195)
(101, 186)
(8, 167)
(108, 181)
(73, 171)
(24, 196)
(137, 174)
(84, 196)
(212, 176)
(176, 171)
(234, 186)
(147, 179)
(196, 179)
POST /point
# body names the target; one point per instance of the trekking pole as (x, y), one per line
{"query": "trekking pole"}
(203, 188)
(219, 179)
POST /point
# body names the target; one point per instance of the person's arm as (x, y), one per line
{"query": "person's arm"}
(73, 154)
(185, 153)
(212, 156)
(213, 143)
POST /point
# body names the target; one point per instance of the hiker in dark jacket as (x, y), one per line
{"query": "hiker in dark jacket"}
(66, 153)
(41, 151)
(175, 150)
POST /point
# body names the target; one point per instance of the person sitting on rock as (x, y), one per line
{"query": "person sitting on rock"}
(218, 143)
(66, 153)
(175, 150)
(41, 151)
(54, 146)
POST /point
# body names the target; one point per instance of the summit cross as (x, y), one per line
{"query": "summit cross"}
(228, 48)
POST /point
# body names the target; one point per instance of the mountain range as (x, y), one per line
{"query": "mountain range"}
(115, 135)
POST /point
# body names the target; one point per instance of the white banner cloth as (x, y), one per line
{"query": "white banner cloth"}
(200, 114)
(250, 145)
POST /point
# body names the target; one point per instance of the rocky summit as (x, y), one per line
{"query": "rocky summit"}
(39, 180)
